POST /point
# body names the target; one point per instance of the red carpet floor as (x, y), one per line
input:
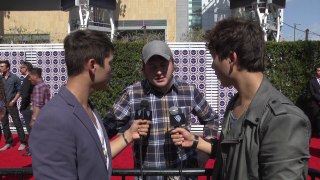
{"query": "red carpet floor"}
(13, 158)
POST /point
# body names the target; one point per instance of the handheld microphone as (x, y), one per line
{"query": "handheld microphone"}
(177, 119)
(144, 112)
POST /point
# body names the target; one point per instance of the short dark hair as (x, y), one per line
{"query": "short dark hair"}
(36, 71)
(245, 37)
(316, 67)
(6, 62)
(82, 45)
(27, 64)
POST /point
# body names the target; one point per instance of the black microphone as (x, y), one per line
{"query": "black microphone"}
(177, 119)
(144, 112)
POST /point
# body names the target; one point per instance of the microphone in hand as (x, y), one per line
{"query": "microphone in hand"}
(177, 119)
(144, 112)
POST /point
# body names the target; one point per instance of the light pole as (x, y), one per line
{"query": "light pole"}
(294, 31)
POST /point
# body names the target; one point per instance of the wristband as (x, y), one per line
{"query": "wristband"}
(195, 142)
(125, 139)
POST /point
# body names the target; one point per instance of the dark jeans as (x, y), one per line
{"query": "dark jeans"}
(27, 115)
(313, 113)
(14, 113)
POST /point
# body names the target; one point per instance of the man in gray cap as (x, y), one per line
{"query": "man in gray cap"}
(162, 91)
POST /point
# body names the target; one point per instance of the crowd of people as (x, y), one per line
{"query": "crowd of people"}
(264, 135)
(13, 90)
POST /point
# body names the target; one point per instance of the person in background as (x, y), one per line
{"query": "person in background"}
(12, 86)
(163, 92)
(3, 103)
(314, 89)
(40, 93)
(264, 135)
(25, 92)
(39, 97)
(2, 113)
(68, 140)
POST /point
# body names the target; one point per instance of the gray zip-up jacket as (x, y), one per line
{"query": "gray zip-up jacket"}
(270, 142)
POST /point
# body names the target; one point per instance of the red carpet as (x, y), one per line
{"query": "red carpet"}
(13, 158)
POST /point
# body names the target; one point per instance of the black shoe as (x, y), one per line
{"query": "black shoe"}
(26, 154)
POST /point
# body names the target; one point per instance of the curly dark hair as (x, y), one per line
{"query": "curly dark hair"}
(245, 37)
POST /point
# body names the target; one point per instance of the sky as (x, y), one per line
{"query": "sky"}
(306, 15)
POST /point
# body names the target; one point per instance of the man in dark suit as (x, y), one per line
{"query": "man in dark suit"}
(25, 92)
(314, 88)
(68, 140)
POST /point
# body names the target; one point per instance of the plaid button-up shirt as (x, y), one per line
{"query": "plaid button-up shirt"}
(158, 148)
(40, 95)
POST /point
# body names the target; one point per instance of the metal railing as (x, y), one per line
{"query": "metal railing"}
(22, 172)
(313, 173)
(163, 172)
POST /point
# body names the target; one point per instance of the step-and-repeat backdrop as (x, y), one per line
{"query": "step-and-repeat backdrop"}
(192, 60)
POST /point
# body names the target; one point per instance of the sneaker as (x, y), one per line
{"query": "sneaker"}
(22, 147)
(5, 147)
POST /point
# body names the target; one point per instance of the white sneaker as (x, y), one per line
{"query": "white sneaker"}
(5, 147)
(22, 147)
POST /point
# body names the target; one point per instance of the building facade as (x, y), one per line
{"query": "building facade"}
(170, 18)
(33, 26)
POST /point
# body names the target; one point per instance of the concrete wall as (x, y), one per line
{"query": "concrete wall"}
(149, 10)
(54, 23)
(1, 23)
(182, 19)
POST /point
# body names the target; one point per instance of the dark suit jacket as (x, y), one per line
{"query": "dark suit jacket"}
(25, 92)
(64, 142)
(314, 88)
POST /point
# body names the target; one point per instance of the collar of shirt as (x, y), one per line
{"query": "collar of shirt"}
(40, 81)
(149, 88)
(6, 76)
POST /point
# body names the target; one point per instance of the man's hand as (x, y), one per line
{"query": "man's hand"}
(2, 113)
(32, 122)
(138, 128)
(182, 137)
(11, 103)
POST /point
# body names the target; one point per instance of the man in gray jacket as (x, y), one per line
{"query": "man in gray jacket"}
(264, 135)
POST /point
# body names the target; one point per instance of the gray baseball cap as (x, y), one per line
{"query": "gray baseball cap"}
(156, 47)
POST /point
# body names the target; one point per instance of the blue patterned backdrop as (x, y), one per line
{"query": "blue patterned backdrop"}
(53, 68)
(191, 65)
(225, 93)
(15, 58)
(54, 71)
